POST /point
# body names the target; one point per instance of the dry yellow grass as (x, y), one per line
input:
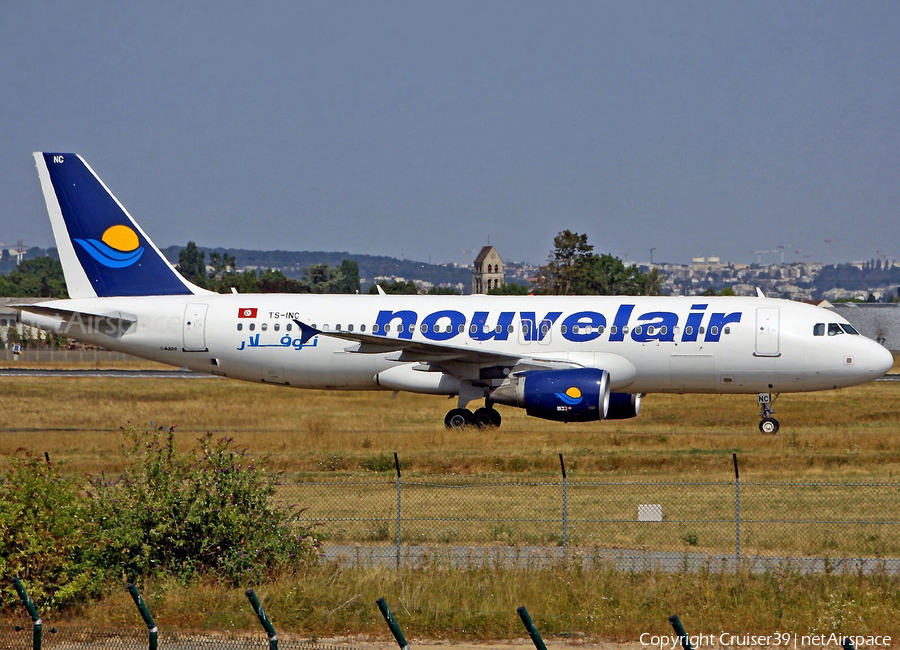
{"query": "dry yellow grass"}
(852, 432)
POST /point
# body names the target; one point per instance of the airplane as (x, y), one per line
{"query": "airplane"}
(561, 358)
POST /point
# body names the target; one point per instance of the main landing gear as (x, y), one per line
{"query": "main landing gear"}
(767, 423)
(487, 417)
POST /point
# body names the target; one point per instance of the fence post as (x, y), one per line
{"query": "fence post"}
(679, 630)
(532, 630)
(399, 509)
(153, 631)
(32, 611)
(261, 615)
(565, 503)
(392, 624)
(737, 508)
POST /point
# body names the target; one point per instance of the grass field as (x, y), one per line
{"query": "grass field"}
(834, 434)
(850, 434)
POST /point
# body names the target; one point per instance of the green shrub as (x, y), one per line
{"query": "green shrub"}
(209, 512)
(46, 536)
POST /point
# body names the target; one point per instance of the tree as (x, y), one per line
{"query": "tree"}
(574, 269)
(192, 264)
(349, 277)
(509, 289)
(41, 277)
(407, 287)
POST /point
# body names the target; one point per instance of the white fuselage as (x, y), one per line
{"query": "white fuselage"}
(648, 344)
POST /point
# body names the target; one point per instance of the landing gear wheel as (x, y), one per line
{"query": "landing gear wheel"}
(768, 425)
(459, 419)
(487, 418)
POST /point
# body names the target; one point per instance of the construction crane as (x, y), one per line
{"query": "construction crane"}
(759, 255)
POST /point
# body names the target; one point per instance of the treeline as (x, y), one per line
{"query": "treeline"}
(220, 274)
(846, 276)
(293, 263)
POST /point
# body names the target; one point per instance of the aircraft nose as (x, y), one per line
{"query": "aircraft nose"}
(880, 360)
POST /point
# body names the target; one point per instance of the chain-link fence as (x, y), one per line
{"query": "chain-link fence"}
(671, 525)
(20, 637)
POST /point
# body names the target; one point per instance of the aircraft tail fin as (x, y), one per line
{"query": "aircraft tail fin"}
(103, 250)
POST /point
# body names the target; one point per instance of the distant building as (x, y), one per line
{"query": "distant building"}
(488, 272)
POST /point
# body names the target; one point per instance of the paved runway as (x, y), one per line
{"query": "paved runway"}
(125, 374)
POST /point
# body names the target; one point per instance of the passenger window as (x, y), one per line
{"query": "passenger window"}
(600, 330)
(375, 328)
(337, 328)
(563, 329)
(462, 328)
(412, 328)
(325, 327)
(612, 330)
(264, 327)
(498, 329)
(289, 327)
(819, 329)
(473, 329)
(663, 330)
(713, 330)
(849, 328)
(688, 330)
(727, 330)
(650, 330)
(424, 328)
(638, 329)
(252, 326)
(240, 326)
(362, 328)
(702, 330)
(510, 329)
(834, 329)
(387, 328)
(276, 327)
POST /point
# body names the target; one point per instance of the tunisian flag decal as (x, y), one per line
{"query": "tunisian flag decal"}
(247, 312)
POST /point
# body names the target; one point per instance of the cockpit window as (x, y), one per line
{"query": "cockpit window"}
(834, 329)
(847, 327)
(819, 329)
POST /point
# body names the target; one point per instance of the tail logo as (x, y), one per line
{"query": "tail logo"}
(118, 247)
(571, 396)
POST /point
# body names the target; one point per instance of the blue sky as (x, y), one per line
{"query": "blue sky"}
(422, 129)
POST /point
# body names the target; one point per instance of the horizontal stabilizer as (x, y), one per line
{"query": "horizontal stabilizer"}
(71, 314)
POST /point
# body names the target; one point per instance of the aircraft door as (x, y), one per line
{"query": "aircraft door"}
(195, 327)
(767, 332)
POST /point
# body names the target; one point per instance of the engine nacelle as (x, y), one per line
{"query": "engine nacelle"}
(576, 395)
(623, 406)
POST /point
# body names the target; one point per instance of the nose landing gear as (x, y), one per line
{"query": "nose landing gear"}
(767, 423)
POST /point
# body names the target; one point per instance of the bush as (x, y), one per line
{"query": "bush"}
(209, 512)
(46, 537)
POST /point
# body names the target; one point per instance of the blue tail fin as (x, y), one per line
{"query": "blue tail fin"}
(102, 249)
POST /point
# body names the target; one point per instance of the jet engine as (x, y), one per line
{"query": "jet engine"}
(571, 395)
(623, 406)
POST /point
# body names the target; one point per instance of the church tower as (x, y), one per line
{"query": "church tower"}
(488, 273)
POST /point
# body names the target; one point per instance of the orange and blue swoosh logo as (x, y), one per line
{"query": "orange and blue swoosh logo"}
(117, 248)
(571, 397)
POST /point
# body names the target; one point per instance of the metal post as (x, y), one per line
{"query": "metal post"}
(32, 611)
(532, 630)
(261, 615)
(399, 509)
(152, 630)
(392, 624)
(679, 630)
(737, 508)
(565, 503)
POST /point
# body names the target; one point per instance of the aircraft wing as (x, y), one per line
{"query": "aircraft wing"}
(71, 314)
(436, 354)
